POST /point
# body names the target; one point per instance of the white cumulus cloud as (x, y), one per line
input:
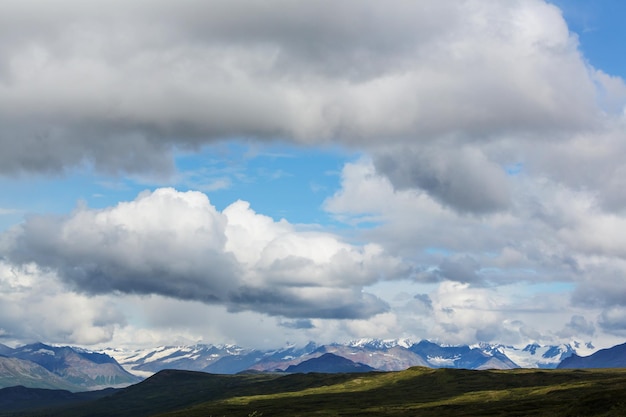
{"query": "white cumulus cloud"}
(177, 244)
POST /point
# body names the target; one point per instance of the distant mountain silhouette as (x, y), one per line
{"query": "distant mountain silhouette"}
(5, 350)
(382, 355)
(614, 357)
(329, 363)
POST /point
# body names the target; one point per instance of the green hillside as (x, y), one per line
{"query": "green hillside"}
(414, 392)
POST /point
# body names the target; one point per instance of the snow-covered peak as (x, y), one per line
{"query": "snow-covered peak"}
(370, 343)
(538, 356)
(227, 357)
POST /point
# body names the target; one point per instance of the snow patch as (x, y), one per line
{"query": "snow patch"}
(439, 361)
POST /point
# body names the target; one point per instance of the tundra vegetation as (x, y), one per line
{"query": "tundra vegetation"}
(416, 391)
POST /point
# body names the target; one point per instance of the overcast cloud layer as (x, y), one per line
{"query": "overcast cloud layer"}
(493, 164)
(118, 84)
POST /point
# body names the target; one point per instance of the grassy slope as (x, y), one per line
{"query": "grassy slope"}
(427, 392)
(417, 391)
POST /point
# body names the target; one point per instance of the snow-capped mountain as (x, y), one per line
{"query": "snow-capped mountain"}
(384, 355)
(224, 359)
(380, 356)
(536, 356)
(465, 357)
(195, 358)
(380, 343)
(40, 365)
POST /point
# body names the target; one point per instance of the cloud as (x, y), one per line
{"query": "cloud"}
(442, 95)
(298, 324)
(442, 99)
(178, 245)
(461, 178)
(425, 300)
(556, 252)
(550, 233)
(419, 304)
(613, 320)
(461, 312)
(417, 225)
(217, 184)
(577, 326)
(602, 285)
(35, 306)
(120, 84)
(161, 243)
(463, 269)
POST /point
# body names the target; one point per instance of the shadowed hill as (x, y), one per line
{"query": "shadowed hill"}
(614, 357)
(329, 363)
(15, 371)
(417, 391)
(21, 398)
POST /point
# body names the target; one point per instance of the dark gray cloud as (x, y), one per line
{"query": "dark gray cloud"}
(613, 320)
(420, 304)
(305, 302)
(461, 178)
(424, 299)
(578, 325)
(39, 147)
(100, 266)
(602, 287)
(298, 324)
(462, 269)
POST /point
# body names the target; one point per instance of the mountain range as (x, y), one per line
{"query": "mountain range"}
(69, 368)
(384, 355)
(75, 369)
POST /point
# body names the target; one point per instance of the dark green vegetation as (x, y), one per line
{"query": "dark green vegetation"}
(414, 392)
(20, 398)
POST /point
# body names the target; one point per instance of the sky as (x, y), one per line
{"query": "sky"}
(264, 173)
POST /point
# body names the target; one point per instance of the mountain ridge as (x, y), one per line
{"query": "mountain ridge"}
(38, 365)
(329, 363)
(380, 354)
(76, 369)
(613, 357)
